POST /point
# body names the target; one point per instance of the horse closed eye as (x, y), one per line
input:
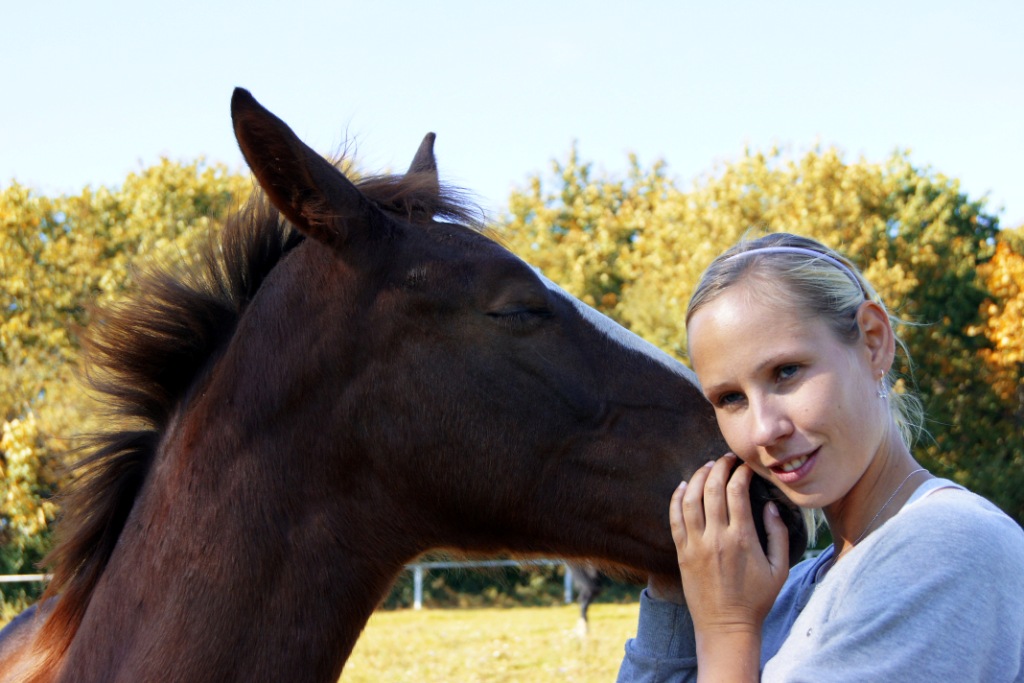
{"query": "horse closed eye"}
(521, 319)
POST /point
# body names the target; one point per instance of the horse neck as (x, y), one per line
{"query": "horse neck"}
(218, 577)
(252, 552)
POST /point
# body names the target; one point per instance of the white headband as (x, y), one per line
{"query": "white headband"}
(806, 252)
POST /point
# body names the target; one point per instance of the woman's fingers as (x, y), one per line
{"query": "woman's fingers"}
(716, 501)
(716, 498)
(778, 538)
(701, 502)
(675, 516)
(692, 506)
(738, 495)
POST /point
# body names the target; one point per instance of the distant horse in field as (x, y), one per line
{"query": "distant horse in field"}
(588, 582)
(352, 376)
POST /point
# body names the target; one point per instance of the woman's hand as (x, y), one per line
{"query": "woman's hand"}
(729, 582)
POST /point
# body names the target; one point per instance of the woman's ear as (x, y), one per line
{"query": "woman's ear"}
(877, 336)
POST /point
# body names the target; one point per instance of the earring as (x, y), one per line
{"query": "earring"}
(883, 391)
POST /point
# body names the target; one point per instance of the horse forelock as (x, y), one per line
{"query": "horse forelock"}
(417, 198)
(622, 336)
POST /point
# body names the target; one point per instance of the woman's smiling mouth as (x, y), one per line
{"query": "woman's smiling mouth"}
(795, 469)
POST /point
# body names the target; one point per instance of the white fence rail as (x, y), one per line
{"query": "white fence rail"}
(418, 569)
(23, 578)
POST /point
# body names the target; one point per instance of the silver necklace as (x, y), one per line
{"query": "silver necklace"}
(882, 509)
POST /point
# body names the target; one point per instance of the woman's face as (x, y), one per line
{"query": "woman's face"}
(794, 402)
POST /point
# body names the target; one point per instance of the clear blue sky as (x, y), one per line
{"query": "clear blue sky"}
(93, 90)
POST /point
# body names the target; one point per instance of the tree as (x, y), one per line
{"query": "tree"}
(1002, 325)
(57, 257)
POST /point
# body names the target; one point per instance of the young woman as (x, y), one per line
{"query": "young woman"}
(924, 580)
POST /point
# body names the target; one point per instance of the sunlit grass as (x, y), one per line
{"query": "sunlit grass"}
(535, 644)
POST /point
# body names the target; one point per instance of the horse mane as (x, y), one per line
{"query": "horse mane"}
(143, 355)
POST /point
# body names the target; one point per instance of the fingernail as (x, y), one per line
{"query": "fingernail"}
(682, 485)
(710, 463)
(772, 510)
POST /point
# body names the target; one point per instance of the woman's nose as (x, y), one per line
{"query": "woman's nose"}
(770, 422)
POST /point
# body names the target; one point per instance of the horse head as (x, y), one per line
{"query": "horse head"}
(446, 375)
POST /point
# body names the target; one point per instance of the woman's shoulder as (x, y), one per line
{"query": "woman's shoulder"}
(957, 508)
(941, 580)
(956, 522)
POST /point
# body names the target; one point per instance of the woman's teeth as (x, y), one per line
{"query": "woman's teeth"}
(794, 464)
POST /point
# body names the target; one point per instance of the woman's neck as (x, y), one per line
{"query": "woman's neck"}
(888, 483)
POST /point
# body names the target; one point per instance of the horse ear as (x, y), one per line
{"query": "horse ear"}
(424, 164)
(311, 193)
(424, 161)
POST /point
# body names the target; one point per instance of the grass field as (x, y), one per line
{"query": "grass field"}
(534, 644)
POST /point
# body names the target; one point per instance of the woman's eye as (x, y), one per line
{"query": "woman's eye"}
(729, 399)
(787, 371)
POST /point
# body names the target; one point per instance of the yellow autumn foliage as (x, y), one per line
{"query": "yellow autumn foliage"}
(58, 257)
(1004, 326)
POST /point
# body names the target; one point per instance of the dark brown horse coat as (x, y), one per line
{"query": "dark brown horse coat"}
(337, 389)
